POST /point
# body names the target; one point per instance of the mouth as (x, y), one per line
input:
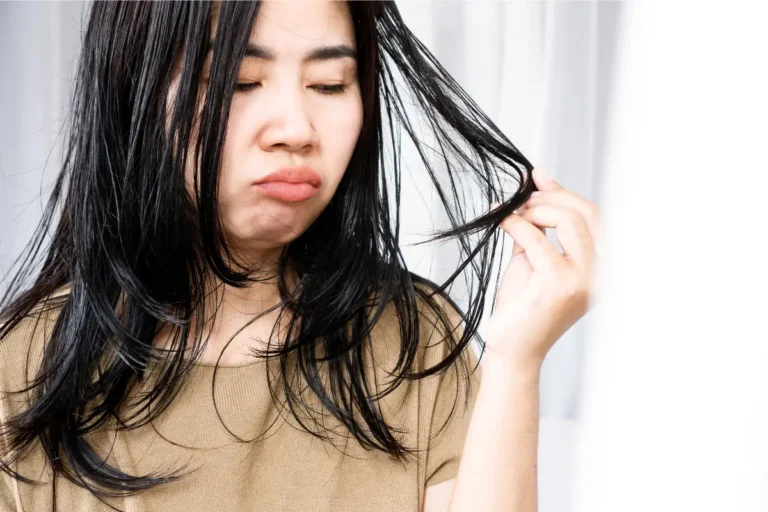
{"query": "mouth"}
(290, 184)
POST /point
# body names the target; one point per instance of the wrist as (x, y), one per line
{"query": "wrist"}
(517, 367)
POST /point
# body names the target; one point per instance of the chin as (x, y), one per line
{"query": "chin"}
(265, 232)
(271, 224)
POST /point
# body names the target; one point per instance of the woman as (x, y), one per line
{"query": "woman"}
(224, 319)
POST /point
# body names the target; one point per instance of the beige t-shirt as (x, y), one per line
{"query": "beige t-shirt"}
(286, 469)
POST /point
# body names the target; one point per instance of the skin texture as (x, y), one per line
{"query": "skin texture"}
(287, 120)
(284, 120)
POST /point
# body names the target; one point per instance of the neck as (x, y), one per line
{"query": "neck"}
(246, 316)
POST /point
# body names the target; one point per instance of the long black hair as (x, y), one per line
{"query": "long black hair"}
(136, 249)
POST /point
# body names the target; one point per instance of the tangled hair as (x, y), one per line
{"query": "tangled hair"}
(137, 250)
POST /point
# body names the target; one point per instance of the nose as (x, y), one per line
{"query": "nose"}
(289, 125)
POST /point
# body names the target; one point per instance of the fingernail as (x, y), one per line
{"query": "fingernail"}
(541, 174)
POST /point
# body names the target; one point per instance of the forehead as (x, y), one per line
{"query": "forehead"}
(291, 26)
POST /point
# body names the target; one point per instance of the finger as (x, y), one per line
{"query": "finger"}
(541, 253)
(518, 248)
(571, 230)
(544, 181)
(569, 199)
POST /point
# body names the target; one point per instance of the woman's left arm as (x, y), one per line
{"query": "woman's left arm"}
(541, 295)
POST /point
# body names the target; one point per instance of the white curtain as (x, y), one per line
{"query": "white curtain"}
(675, 394)
(543, 72)
(39, 42)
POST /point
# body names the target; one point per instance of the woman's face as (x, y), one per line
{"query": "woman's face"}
(297, 107)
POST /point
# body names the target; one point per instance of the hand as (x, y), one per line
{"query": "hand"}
(542, 292)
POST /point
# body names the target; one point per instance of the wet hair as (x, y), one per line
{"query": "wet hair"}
(137, 249)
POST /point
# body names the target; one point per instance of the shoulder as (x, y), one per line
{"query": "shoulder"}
(453, 388)
(442, 402)
(442, 323)
(436, 338)
(419, 303)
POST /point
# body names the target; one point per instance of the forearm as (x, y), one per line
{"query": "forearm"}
(498, 464)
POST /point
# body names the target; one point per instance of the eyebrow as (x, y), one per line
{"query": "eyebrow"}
(322, 53)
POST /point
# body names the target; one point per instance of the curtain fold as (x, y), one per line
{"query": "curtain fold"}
(39, 42)
(544, 73)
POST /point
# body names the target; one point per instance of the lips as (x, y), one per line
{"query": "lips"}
(290, 183)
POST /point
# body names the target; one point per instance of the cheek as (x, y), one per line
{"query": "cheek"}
(341, 131)
(225, 178)
(234, 149)
(228, 185)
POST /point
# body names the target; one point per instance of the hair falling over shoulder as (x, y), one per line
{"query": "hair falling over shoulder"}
(135, 250)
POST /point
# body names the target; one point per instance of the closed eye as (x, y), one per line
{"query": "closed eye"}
(322, 89)
(247, 86)
(329, 89)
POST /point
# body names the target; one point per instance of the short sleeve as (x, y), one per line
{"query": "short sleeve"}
(451, 417)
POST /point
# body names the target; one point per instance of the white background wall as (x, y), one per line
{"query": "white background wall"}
(674, 413)
(544, 73)
(39, 42)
